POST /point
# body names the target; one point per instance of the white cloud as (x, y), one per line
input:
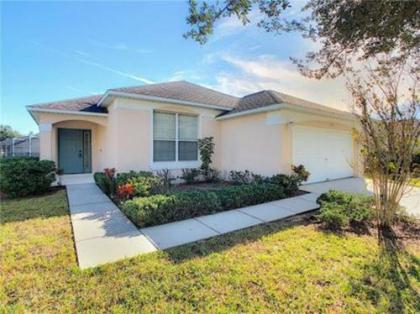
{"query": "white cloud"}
(115, 71)
(232, 25)
(189, 75)
(113, 46)
(76, 55)
(81, 53)
(269, 72)
(177, 76)
(119, 46)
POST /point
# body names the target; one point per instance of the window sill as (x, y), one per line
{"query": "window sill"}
(159, 165)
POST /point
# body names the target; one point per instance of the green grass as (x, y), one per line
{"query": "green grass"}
(415, 182)
(272, 268)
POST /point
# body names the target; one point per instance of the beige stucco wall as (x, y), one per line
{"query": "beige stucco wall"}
(263, 142)
(130, 132)
(123, 140)
(260, 142)
(249, 143)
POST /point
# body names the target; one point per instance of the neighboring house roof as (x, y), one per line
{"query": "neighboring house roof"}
(189, 94)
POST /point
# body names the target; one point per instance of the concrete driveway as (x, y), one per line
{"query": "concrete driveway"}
(411, 199)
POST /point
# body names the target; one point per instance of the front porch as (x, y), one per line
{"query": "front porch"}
(76, 143)
(69, 179)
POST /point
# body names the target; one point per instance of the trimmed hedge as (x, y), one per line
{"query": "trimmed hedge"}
(249, 194)
(160, 209)
(22, 176)
(339, 209)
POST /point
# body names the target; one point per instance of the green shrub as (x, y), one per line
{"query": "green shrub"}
(290, 183)
(360, 209)
(301, 173)
(334, 196)
(248, 194)
(335, 205)
(334, 216)
(23, 176)
(106, 181)
(190, 175)
(206, 147)
(160, 209)
(125, 177)
(146, 186)
(212, 175)
(101, 181)
(166, 176)
(144, 182)
(415, 165)
(245, 177)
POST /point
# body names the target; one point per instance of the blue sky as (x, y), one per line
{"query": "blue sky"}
(58, 50)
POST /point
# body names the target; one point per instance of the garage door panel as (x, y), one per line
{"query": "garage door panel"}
(327, 154)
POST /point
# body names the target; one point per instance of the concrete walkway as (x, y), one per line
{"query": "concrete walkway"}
(191, 230)
(103, 234)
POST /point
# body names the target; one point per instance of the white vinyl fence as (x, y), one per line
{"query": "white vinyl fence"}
(20, 146)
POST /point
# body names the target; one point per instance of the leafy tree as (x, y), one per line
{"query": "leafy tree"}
(6, 131)
(346, 30)
(375, 45)
(387, 103)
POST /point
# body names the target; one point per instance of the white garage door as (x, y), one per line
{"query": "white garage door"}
(326, 153)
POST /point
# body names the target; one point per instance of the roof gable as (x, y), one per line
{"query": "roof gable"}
(186, 93)
(182, 91)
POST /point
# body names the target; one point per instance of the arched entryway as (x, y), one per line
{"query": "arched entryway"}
(78, 146)
(74, 150)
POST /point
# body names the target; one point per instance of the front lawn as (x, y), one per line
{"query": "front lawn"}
(415, 182)
(279, 267)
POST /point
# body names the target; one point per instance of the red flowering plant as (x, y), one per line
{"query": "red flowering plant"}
(125, 192)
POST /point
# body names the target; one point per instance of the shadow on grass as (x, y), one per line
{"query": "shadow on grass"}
(387, 281)
(226, 241)
(51, 204)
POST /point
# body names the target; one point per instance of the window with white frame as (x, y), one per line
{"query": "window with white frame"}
(175, 137)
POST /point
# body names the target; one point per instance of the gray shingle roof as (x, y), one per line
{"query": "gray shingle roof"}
(184, 91)
(270, 97)
(189, 92)
(84, 104)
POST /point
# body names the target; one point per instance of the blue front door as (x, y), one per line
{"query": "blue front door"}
(74, 151)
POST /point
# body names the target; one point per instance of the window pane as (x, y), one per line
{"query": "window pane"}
(188, 127)
(187, 150)
(164, 126)
(163, 150)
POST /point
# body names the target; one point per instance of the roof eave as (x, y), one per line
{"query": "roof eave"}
(251, 111)
(33, 111)
(35, 117)
(108, 94)
(342, 115)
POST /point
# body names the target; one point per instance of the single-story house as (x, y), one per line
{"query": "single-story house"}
(153, 127)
